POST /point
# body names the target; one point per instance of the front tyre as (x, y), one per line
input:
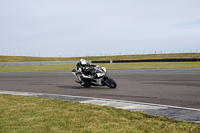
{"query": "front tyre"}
(111, 83)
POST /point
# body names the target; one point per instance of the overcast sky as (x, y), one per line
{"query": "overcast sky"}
(98, 27)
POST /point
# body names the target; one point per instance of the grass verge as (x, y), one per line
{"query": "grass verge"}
(145, 65)
(99, 58)
(33, 114)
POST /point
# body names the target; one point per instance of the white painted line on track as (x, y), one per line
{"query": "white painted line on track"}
(98, 99)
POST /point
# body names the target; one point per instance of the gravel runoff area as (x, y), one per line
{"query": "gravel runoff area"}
(178, 113)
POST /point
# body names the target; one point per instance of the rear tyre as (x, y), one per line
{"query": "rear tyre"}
(87, 84)
(111, 83)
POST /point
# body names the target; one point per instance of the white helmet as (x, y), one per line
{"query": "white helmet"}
(83, 62)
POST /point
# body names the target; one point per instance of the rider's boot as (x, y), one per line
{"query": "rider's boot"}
(78, 79)
(82, 82)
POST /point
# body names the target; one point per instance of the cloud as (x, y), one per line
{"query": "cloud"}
(114, 25)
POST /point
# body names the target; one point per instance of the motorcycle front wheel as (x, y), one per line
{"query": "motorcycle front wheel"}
(111, 83)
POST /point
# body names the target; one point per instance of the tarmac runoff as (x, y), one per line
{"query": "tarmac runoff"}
(178, 113)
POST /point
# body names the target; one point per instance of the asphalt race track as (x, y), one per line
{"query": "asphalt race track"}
(176, 87)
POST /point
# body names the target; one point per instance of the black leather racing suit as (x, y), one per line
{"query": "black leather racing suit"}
(83, 72)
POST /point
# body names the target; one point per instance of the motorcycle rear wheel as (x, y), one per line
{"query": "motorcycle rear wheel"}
(87, 84)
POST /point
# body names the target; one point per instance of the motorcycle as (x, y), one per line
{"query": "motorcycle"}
(99, 77)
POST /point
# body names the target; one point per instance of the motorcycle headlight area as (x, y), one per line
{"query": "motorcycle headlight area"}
(100, 74)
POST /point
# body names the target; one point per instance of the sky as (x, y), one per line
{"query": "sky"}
(68, 28)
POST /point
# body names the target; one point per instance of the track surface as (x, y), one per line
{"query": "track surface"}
(177, 87)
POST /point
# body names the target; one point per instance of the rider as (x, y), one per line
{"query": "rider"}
(81, 71)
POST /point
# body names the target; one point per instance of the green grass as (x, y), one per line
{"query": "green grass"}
(38, 68)
(152, 65)
(32, 114)
(146, 65)
(99, 58)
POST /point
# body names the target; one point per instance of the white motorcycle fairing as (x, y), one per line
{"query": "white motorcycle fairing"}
(100, 78)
